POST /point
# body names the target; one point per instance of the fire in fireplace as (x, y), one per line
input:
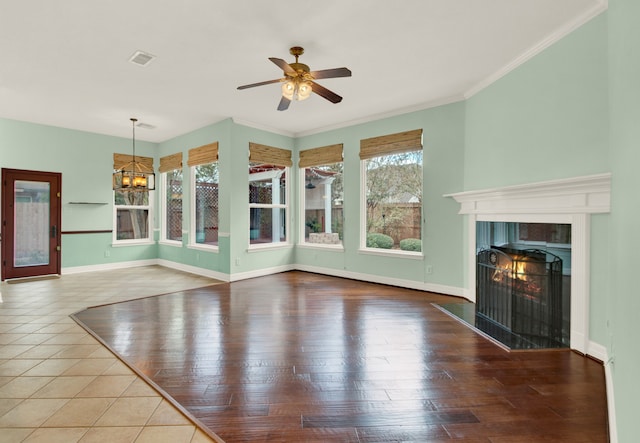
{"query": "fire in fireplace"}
(521, 291)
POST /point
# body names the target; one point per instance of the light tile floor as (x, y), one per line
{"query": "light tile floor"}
(59, 384)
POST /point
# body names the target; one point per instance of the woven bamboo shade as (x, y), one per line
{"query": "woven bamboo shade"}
(122, 160)
(325, 155)
(391, 144)
(170, 162)
(203, 154)
(268, 154)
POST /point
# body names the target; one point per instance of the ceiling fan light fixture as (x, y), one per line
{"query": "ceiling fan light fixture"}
(298, 81)
(304, 90)
(288, 89)
(296, 89)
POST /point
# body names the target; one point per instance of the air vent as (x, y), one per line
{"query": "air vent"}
(141, 58)
(145, 126)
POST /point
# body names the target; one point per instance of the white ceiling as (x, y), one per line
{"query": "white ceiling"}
(65, 63)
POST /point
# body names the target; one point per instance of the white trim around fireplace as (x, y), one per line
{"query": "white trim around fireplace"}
(567, 201)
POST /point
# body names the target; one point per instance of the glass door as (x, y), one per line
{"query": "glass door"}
(30, 223)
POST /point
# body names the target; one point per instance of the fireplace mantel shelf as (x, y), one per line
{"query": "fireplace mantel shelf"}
(586, 195)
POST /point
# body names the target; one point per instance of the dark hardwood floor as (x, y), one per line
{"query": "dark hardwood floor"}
(298, 357)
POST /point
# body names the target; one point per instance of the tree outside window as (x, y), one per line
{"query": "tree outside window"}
(132, 210)
(393, 201)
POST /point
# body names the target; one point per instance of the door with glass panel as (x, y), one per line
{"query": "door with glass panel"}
(30, 223)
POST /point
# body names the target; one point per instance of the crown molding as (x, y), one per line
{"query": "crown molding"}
(375, 117)
(597, 9)
(261, 127)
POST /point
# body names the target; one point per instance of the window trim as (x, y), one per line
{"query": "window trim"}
(302, 241)
(287, 212)
(137, 241)
(192, 243)
(363, 249)
(163, 211)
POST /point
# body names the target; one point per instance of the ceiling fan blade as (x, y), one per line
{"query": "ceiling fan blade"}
(331, 73)
(284, 104)
(268, 82)
(325, 93)
(283, 65)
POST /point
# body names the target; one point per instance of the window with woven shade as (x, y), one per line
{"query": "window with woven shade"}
(391, 196)
(269, 169)
(131, 210)
(171, 204)
(203, 164)
(322, 195)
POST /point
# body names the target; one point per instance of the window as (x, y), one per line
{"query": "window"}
(132, 209)
(544, 233)
(171, 205)
(392, 192)
(203, 162)
(205, 205)
(321, 195)
(268, 194)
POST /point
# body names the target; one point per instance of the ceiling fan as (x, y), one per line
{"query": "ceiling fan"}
(298, 82)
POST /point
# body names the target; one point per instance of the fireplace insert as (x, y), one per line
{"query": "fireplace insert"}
(521, 291)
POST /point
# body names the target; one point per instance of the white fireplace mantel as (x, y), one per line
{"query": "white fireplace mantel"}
(569, 201)
(586, 195)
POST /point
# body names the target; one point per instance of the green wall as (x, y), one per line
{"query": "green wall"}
(86, 163)
(443, 140)
(201, 258)
(569, 111)
(549, 119)
(232, 256)
(545, 120)
(624, 303)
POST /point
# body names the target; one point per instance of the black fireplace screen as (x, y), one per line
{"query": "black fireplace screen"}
(521, 290)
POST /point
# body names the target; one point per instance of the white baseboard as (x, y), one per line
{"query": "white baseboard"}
(261, 272)
(409, 284)
(108, 266)
(611, 404)
(597, 351)
(194, 270)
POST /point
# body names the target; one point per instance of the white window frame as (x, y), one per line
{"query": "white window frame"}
(302, 241)
(363, 222)
(137, 241)
(273, 174)
(163, 211)
(193, 244)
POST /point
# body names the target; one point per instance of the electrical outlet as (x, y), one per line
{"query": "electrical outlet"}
(107, 253)
(429, 269)
(237, 262)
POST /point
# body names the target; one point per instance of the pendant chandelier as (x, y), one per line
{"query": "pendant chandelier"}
(134, 175)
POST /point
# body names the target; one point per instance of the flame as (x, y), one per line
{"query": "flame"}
(518, 269)
(521, 271)
(508, 271)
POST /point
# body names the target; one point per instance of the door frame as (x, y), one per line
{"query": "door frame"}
(7, 213)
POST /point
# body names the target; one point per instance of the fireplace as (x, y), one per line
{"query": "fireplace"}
(521, 291)
(570, 201)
